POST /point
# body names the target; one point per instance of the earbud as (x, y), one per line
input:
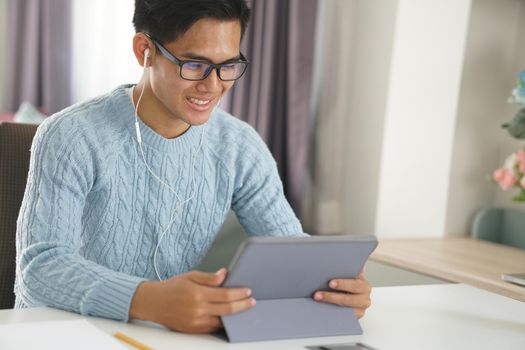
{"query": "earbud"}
(146, 55)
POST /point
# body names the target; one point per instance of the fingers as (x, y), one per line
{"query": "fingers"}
(361, 274)
(359, 313)
(225, 295)
(207, 278)
(360, 301)
(221, 301)
(214, 324)
(194, 300)
(210, 290)
(357, 286)
(354, 293)
(218, 300)
(220, 309)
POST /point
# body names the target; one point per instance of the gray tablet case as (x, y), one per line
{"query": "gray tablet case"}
(283, 274)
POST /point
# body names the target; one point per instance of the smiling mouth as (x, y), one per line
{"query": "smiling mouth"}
(197, 101)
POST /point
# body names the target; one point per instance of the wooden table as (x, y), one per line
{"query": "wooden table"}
(457, 259)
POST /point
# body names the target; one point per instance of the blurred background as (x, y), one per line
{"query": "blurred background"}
(384, 115)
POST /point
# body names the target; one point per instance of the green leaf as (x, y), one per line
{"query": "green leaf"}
(516, 127)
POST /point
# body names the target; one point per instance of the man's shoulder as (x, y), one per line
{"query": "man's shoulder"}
(230, 131)
(236, 142)
(95, 115)
(94, 121)
(223, 122)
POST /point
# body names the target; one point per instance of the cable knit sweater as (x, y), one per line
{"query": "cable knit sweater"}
(92, 213)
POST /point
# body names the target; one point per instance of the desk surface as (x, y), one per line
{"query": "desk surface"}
(447, 316)
(457, 259)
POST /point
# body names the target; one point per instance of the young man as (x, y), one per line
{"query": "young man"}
(131, 187)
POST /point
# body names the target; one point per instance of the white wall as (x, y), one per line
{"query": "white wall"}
(102, 47)
(421, 115)
(3, 44)
(494, 56)
(369, 76)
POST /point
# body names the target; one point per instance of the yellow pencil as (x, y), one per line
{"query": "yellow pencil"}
(131, 341)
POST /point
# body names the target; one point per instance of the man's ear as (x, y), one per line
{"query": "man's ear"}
(141, 43)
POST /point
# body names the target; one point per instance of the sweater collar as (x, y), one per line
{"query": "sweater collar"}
(186, 141)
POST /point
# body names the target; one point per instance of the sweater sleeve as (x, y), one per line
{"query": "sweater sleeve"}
(258, 197)
(50, 269)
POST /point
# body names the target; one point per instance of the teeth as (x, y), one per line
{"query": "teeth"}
(198, 102)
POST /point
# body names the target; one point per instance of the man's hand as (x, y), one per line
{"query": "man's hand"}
(354, 293)
(190, 303)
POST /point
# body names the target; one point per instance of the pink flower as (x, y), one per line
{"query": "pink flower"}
(522, 182)
(520, 156)
(506, 178)
(499, 174)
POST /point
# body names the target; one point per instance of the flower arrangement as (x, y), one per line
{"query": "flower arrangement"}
(512, 174)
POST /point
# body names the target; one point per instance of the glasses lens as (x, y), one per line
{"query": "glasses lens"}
(232, 71)
(194, 70)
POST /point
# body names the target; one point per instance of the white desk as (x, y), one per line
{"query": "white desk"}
(448, 316)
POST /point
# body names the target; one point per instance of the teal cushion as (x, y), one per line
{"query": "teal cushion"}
(504, 226)
(28, 114)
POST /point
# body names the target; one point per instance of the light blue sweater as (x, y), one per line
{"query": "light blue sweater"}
(92, 213)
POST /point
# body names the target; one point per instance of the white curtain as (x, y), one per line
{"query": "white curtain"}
(324, 202)
(102, 47)
(349, 99)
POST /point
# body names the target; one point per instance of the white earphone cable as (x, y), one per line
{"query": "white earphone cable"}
(180, 202)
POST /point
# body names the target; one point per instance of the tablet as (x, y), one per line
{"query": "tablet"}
(516, 278)
(296, 267)
(283, 274)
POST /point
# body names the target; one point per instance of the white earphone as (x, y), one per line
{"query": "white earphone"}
(137, 128)
(180, 201)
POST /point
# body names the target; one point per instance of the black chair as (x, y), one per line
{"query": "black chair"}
(15, 144)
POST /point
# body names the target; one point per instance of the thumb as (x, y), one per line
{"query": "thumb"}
(208, 278)
(361, 274)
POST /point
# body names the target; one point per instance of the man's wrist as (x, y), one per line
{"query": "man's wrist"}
(141, 307)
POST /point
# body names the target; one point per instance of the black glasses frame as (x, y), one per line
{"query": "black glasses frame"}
(213, 66)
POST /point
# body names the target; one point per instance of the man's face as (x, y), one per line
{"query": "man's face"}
(193, 101)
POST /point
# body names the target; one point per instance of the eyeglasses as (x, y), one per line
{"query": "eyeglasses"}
(199, 70)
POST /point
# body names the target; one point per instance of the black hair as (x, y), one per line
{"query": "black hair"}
(166, 20)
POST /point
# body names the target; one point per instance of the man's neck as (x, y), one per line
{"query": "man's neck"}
(157, 118)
